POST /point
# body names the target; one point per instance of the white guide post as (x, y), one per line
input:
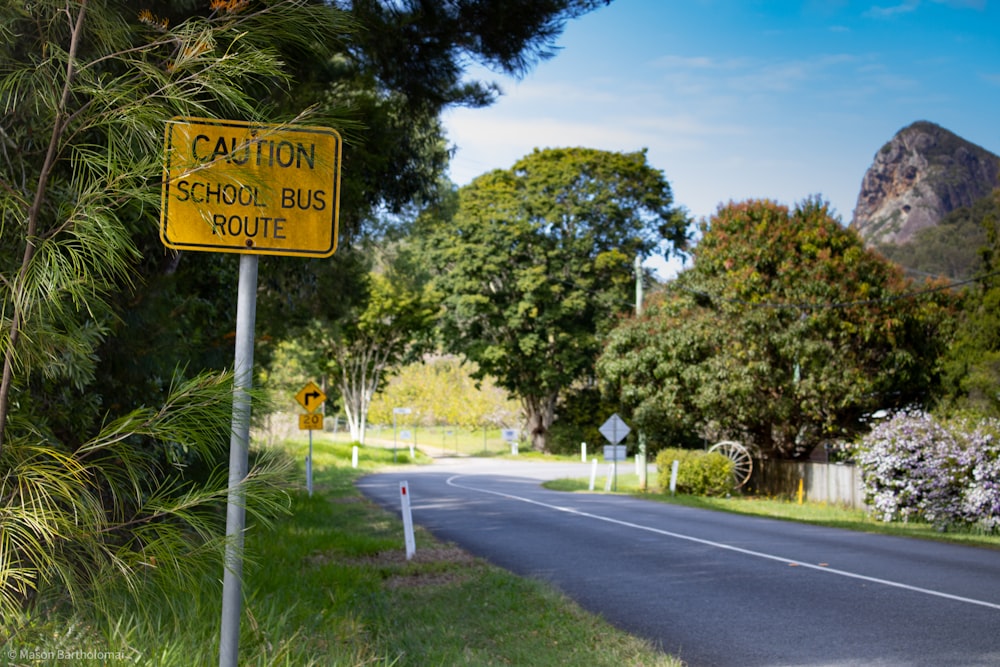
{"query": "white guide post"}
(404, 496)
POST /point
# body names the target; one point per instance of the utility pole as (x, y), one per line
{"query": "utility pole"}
(638, 312)
(638, 285)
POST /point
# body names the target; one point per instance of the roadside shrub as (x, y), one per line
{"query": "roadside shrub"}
(665, 460)
(947, 473)
(699, 473)
(981, 499)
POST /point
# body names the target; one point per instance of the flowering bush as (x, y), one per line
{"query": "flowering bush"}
(981, 503)
(914, 465)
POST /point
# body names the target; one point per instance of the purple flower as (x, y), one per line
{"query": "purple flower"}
(947, 473)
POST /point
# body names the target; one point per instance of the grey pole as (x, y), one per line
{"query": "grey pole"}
(232, 597)
(638, 285)
(638, 311)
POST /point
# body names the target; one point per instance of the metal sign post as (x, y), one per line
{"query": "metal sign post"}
(246, 315)
(253, 189)
(396, 411)
(614, 430)
(312, 398)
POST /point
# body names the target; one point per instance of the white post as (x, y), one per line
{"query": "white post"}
(583, 452)
(593, 474)
(643, 470)
(404, 495)
(239, 441)
(612, 472)
(354, 456)
(673, 476)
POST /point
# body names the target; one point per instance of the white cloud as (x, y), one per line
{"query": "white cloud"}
(879, 12)
(908, 6)
(963, 4)
(673, 61)
(701, 75)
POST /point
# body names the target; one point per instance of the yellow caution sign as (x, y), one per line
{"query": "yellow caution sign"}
(232, 186)
(311, 397)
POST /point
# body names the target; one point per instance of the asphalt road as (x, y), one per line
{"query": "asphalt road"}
(712, 588)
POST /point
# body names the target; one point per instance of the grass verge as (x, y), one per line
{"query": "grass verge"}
(329, 585)
(821, 514)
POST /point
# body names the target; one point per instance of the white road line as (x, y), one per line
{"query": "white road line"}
(728, 547)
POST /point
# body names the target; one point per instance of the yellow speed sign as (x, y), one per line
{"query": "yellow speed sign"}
(311, 422)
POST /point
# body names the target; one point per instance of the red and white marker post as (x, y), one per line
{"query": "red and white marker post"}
(404, 496)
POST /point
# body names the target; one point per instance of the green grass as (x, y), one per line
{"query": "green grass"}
(822, 514)
(458, 441)
(329, 584)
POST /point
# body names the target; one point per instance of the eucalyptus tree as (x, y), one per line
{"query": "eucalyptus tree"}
(537, 263)
(90, 491)
(389, 325)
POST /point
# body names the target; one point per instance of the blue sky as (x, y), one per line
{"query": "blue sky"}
(747, 99)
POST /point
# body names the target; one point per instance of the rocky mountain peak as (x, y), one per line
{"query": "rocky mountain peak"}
(922, 174)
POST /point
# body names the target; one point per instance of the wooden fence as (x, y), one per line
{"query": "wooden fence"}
(834, 483)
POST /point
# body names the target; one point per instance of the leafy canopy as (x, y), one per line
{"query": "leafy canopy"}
(389, 325)
(785, 332)
(972, 364)
(537, 261)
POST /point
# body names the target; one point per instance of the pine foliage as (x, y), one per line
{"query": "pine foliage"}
(93, 501)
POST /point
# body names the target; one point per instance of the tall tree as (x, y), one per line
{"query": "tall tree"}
(383, 84)
(972, 364)
(537, 262)
(784, 333)
(89, 490)
(390, 326)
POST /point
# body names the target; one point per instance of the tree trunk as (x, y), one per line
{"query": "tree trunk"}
(355, 422)
(356, 389)
(540, 412)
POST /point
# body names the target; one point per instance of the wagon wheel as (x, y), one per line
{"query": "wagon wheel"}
(740, 456)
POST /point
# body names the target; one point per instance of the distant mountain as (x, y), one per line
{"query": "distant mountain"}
(921, 175)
